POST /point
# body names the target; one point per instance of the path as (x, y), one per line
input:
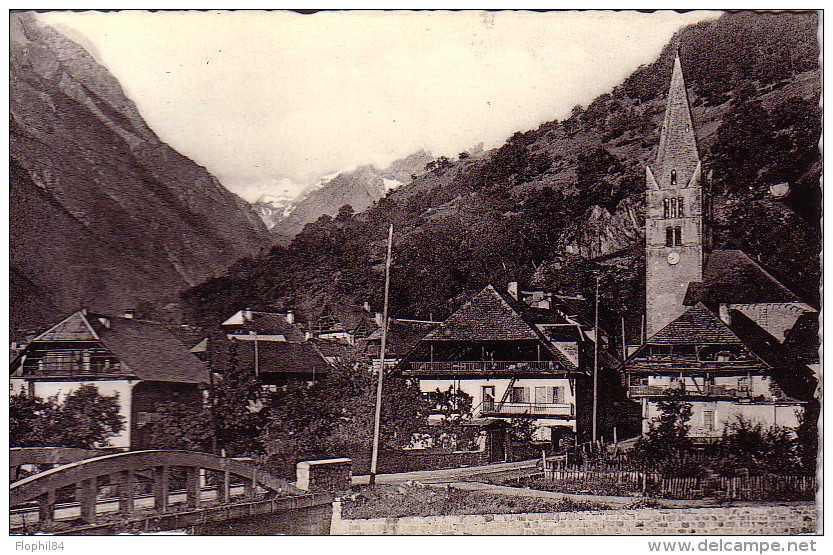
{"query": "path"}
(447, 475)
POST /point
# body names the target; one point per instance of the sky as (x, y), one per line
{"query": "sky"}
(270, 101)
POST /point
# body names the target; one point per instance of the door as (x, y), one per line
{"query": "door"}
(541, 399)
(488, 398)
(496, 443)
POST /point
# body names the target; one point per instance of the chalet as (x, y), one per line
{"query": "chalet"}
(140, 361)
(248, 325)
(271, 345)
(516, 360)
(724, 368)
(274, 363)
(346, 325)
(721, 329)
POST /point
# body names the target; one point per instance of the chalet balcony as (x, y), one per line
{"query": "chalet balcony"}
(543, 410)
(477, 367)
(639, 391)
(691, 364)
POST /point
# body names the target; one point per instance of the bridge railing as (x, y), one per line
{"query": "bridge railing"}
(127, 470)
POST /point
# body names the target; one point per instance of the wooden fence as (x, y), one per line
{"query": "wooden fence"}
(745, 488)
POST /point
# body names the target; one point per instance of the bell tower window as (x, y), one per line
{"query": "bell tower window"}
(678, 236)
(669, 237)
(673, 177)
(665, 210)
(680, 207)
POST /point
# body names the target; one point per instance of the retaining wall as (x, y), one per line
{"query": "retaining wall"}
(780, 520)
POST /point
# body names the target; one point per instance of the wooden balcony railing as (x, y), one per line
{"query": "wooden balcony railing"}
(483, 367)
(661, 363)
(689, 390)
(537, 409)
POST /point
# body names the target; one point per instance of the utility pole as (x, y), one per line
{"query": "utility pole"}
(378, 416)
(597, 336)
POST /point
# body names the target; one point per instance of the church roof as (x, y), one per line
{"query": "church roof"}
(677, 144)
(699, 326)
(730, 276)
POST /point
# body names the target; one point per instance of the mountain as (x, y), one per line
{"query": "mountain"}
(557, 205)
(103, 214)
(359, 188)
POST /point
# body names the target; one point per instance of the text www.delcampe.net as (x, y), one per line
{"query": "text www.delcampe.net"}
(760, 546)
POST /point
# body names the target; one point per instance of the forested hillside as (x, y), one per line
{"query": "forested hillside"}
(555, 204)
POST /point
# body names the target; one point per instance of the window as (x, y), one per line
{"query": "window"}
(520, 395)
(708, 420)
(673, 208)
(666, 213)
(743, 383)
(669, 237)
(673, 177)
(680, 207)
(678, 236)
(557, 394)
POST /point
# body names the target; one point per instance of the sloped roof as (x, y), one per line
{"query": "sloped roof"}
(730, 276)
(283, 357)
(266, 323)
(698, 325)
(74, 327)
(485, 317)
(492, 316)
(150, 351)
(403, 335)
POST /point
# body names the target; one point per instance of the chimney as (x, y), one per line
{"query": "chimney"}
(307, 335)
(366, 306)
(512, 289)
(83, 311)
(290, 317)
(247, 314)
(130, 313)
(104, 322)
(378, 319)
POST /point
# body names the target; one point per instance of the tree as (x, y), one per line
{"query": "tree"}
(85, 419)
(181, 426)
(666, 442)
(25, 420)
(753, 447)
(345, 214)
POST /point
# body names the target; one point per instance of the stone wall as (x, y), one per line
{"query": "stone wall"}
(792, 519)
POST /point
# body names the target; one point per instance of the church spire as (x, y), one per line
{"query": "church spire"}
(677, 158)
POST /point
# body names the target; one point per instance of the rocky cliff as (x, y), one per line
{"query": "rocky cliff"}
(103, 214)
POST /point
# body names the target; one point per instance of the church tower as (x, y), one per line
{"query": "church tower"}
(674, 231)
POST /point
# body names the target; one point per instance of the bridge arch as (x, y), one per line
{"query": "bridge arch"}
(122, 469)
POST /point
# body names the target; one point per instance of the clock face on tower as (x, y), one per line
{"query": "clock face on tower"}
(673, 258)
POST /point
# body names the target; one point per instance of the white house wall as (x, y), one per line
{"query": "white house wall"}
(122, 388)
(726, 412)
(473, 387)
